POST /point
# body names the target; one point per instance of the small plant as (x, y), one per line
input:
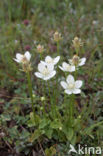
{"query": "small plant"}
(51, 120)
(58, 117)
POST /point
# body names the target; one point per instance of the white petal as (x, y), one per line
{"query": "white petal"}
(64, 84)
(61, 68)
(50, 67)
(37, 74)
(19, 56)
(48, 59)
(50, 75)
(65, 65)
(76, 91)
(56, 60)
(70, 61)
(27, 55)
(41, 67)
(70, 79)
(16, 60)
(72, 69)
(78, 84)
(67, 91)
(82, 61)
(43, 62)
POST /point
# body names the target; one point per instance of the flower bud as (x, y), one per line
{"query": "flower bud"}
(60, 128)
(57, 36)
(42, 98)
(77, 43)
(75, 60)
(40, 48)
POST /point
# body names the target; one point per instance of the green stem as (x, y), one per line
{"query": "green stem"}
(58, 47)
(71, 109)
(30, 92)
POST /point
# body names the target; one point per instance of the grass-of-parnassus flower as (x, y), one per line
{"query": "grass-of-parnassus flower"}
(20, 58)
(71, 86)
(46, 71)
(24, 60)
(67, 67)
(77, 61)
(50, 60)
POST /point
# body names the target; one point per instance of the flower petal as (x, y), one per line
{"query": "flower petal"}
(37, 74)
(64, 84)
(18, 61)
(67, 91)
(76, 91)
(56, 60)
(70, 61)
(43, 62)
(50, 67)
(61, 68)
(72, 69)
(27, 55)
(65, 65)
(70, 79)
(82, 61)
(50, 75)
(19, 57)
(48, 59)
(78, 84)
(41, 67)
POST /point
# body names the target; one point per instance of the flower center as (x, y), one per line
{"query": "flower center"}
(67, 67)
(71, 86)
(45, 72)
(24, 60)
(50, 61)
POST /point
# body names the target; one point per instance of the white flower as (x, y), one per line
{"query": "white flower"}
(67, 67)
(71, 86)
(50, 60)
(24, 59)
(77, 61)
(46, 72)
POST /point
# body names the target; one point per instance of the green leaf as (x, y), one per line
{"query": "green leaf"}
(69, 133)
(56, 124)
(44, 123)
(37, 133)
(50, 151)
(48, 133)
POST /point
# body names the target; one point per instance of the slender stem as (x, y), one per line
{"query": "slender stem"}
(58, 47)
(30, 91)
(49, 94)
(71, 109)
(77, 50)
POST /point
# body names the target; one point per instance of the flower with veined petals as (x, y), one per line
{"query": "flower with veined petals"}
(67, 67)
(77, 61)
(24, 59)
(71, 86)
(50, 60)
(46, 72)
